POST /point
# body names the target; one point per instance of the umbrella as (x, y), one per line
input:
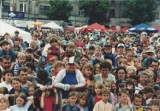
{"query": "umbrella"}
(143, 28)
(92, 27)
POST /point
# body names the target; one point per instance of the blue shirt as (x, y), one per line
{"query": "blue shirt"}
(70, 78)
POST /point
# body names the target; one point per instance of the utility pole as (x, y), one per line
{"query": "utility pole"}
(28, 9)
(0, 8)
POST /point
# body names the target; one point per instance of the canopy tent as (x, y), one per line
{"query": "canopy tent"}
(4, 27)
(124, 29)
(52, 25)
(92, 27)
(143, 28)
(156, 27)
(77, 29)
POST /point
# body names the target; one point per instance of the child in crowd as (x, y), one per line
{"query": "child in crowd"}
(71, 105)
(82, 101)
(88, 73)
(7, 76)
(154, 105)
(97, 57)
(20, 62)
(47, 100)
(4, 103)
(137, 102)
(97, 97)
(124, 105)
(22, 104)
(97, 69)
(104, 105)
(107, 85)
(16, 84)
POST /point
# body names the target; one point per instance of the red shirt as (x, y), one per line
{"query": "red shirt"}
(97, 99)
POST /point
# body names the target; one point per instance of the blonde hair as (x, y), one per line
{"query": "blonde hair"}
(89, 66)
(21, 55)
(4, 99)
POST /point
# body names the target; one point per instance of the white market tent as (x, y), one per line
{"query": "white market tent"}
(4, 27)
(52, 25)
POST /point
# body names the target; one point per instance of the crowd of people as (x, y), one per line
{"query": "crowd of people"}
(63, 71)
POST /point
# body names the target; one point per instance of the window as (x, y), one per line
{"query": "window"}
(81, 12)
(113, 3)
(112, 13)
(44, 9)
(6, 7)
(21, 7)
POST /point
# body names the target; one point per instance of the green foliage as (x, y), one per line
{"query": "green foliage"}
(59, 10)
(96, 10)
(141, 11)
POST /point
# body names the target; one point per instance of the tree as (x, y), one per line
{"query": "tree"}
(140, 11)
(59, 10)
(96, 10)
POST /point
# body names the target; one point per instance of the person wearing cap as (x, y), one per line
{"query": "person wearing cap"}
(150, 57)
(109, 55)
(120, 50)
(69, 79)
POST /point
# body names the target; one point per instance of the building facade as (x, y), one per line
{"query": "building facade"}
(36, 9)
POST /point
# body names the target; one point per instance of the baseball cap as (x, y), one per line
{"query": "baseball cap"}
(107, 45)
(71, 60)
(150, 51)
(120, 45)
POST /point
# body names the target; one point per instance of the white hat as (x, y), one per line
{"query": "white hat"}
(91, 38)
(150, 50)
(71, 60)
(120, 45)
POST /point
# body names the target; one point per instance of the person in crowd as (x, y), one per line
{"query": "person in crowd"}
(7, 76)
(4, 103)
(104, 105)
(124, 105)
(82, 102)
(105, 68)
(71, 105)
(137, 102)
(69, 79)
(5, 50)
(6, 63)
(21, 58)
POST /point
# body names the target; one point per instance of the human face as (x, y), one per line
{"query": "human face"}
(97, 90)
(97, 70)
(108, 50)
(124, 98)
(3, 105)
(143, 78)
(155, 108)
(58, 68)
(6, 63)
(71, 67)
(84, 60)
(137, 101)
(5, 47)
(120, 50)
(129, 57)
(54, 44)
(104, 71)
(70, 49)
(47, 92)
(31, 91)
(121, 74)
(105, 97)
(97, 51)
(87, 72)
(82, 101)
(8, 77)
(16, 85)
(23, 76)
(19, 101)
(21, 60)
(155, 65)
(72, 100)
(108, 86)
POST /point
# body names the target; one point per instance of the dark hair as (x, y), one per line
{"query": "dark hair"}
(30, 65)
(7, 71)
(7, 57)
(53, 40)
(85, 56)
(137, 96)
(15, 78)
(24, 69)
(4, 42)
(105, 65)
(42, 75)
(121, 68)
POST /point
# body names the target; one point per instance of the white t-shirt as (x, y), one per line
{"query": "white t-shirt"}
(21, 108)
(8, 86)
